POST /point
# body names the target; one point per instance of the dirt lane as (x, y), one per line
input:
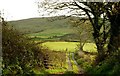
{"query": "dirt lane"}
(69, 63)
(81, 71)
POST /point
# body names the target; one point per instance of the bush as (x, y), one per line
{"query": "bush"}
(108, 67)
(20, 55)
(80, 61)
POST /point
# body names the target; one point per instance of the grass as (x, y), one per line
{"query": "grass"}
(50, 71)
(55, 71)
(69, 46)
(90, 47)
(74, 66)
(66, 61)
(61, 46)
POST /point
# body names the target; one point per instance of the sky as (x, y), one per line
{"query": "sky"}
(19, 9)
(22, 9)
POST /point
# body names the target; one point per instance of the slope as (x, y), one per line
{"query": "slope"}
(35, 25)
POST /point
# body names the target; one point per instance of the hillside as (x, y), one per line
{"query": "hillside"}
(35, 25)
(51, 28)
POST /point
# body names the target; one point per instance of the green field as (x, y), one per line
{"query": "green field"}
(46, 36)
(69, 46)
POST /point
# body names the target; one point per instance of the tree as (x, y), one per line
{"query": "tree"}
(113, 13)
(83, 30)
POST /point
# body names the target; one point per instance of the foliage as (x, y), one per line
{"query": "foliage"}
(80, 61)
(55, 64)
(20, 56)
(83, 30)
(108, 67)
(84, 60)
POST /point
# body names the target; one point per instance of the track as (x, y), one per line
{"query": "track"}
(81, 71)
(69, 63)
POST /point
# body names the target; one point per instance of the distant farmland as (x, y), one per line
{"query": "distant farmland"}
(45, 29)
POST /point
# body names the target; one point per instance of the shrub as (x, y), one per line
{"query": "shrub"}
(20, 55)
(108, 67)
(80, 61)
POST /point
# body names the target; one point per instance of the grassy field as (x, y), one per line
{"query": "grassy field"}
(61, 46)
(50, 35)
(69, 46)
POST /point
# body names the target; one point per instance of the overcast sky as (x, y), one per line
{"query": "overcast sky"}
(19, 9)
(22, 9)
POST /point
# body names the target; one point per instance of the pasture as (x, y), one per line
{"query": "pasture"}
(69, 46)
